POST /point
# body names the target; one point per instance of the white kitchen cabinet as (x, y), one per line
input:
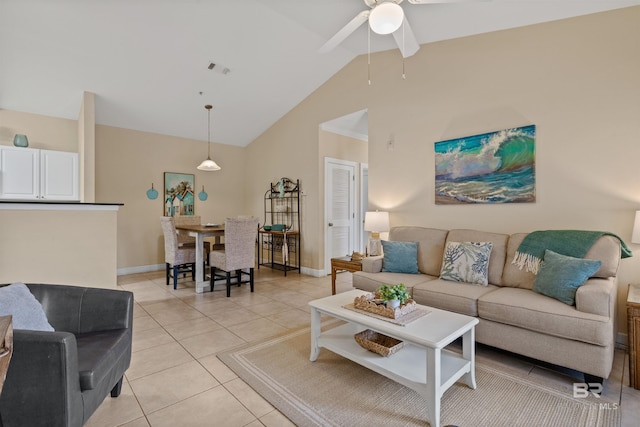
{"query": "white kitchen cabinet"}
(32, 174)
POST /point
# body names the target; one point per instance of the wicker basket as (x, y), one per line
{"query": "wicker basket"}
(378, 343)
(367, 302)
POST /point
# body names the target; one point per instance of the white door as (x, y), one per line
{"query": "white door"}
(340, 209)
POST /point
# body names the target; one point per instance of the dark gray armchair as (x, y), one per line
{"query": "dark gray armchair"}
(60, 378)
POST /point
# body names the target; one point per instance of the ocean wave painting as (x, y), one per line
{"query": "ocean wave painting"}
(496, 167)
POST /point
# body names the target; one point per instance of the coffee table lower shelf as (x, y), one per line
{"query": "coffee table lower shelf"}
(407, 367)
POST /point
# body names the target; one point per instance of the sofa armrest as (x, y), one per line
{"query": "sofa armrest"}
(597, 296)
(42, 385)
(372, 264)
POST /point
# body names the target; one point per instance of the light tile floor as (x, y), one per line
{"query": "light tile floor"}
(175, 378)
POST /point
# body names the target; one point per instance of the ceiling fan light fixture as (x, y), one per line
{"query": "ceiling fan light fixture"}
(386, 18)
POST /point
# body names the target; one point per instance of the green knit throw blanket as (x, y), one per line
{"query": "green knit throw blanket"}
(575, 243)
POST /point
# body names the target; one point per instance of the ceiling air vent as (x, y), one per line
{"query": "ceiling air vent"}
(221, 69)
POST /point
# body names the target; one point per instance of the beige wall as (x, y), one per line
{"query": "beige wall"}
(342, 147)
(127, 164)
(578, 85)
(43, 132)
(87, 148)
(72, 247)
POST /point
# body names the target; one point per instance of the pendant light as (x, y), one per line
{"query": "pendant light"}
(209, 165)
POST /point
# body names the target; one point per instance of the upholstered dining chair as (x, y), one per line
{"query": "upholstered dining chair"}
(183, 236)
(178, 259)
(239, 252)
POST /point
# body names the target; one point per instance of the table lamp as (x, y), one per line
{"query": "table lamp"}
(376, 222)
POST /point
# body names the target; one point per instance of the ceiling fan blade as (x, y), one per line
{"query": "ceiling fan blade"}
(406, 40)
(444, 1)
(345, 32)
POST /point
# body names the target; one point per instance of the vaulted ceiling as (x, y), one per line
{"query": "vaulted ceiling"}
(147, 60)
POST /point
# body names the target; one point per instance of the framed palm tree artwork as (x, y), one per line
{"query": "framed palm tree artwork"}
(179, 194)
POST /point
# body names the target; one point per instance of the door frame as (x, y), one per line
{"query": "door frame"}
(363, 206)
(354, 203)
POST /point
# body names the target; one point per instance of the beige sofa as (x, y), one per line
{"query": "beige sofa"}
(512, 316)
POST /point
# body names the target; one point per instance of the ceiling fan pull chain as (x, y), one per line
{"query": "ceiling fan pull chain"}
(369, 55)
(404, 77)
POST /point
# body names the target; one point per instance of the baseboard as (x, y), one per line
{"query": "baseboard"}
(140, 269)
(156, 267)
(622, 341)
(312, 272)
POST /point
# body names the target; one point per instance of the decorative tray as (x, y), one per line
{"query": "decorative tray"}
(378, 343)
(372, 304)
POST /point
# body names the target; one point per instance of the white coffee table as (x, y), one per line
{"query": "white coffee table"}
(423, 365)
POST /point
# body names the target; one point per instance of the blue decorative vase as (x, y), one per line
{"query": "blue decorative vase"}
(20, 140)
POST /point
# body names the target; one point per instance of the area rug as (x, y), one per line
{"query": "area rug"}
(333, 391)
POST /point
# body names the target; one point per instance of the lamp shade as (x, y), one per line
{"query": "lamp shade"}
(209, 165)
(386, 18)
(376, 221)
(635, 234)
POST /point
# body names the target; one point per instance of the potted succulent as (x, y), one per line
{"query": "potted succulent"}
(394, 295)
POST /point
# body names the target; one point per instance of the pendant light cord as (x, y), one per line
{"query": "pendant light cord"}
(209, 136)
(404, 77)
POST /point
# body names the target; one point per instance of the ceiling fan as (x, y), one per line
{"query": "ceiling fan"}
(385, 17)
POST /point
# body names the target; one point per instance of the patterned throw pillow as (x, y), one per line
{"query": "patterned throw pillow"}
(466, 262)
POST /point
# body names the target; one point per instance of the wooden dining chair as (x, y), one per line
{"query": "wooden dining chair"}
(238, 255)
(178, 259)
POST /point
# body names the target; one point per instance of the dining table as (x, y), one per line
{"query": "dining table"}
(200, 231)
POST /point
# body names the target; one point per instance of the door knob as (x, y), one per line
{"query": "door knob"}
(330, 224)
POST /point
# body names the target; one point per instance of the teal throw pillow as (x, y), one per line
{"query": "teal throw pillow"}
(466, 262)
(560, 276)
(18, 301)
(400, 257)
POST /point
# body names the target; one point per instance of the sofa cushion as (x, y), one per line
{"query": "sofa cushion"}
(512, 275)
(370, 282)
(606, 249)
(98, 353)
(18, 301)
(529, 310)
(452, 296)
(498, 253)
(466, 262)
(400, 257)
(560, 276)
(430, 245)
